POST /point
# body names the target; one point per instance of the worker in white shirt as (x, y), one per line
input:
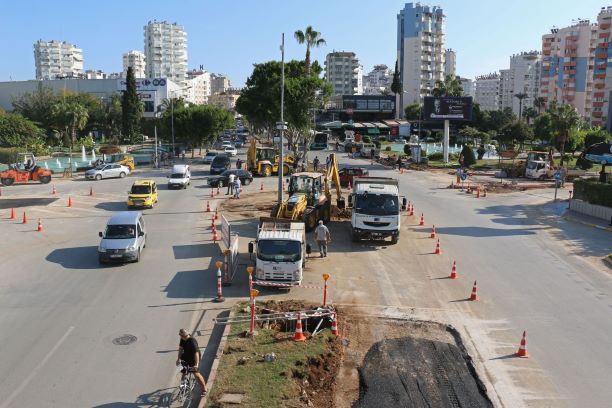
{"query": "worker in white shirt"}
(230, 184)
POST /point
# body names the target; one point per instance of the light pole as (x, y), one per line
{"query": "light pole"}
(281, 126)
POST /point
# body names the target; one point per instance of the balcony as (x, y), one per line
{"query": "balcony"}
(602, 55)
(603, 35)
(597, 114)
(599, 94)
(599, 85)
(569, 64)
(598, 104)
(571, 38)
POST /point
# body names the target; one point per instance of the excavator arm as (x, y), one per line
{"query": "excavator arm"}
(333, 174)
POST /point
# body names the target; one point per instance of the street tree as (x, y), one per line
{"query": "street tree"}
(520, 96)
(68, 119)
(516, 131)
(539, 103)
(17, 131)
(542, 126)
(564, 119)
(412, 112)
(311, 38)
(397, 88)
(36, 106)
(451, 86)
(132, 108)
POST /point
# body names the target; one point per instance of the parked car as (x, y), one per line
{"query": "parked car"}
(142, 194)
(210, 156)
(124, 238)
(220, 164)
(238, 144)
(231, 150)
(107, 171)
(347, 175)
(222, 179)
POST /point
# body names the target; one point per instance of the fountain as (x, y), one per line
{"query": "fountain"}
(89, 163)
(83, 155)
(46, 166)
(58, 163)
(93, 155)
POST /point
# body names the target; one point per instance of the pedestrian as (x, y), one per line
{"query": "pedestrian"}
(183, 155)
(237, 187)
(337, 146)
(458, 172)
(399, 162)
(563, 174)
(372, 154)
(323, 237)
(230, 183)
(327, 162)
(189, 355)
(239, 164)
(315, 163)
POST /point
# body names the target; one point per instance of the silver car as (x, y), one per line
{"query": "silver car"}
(107, 171)
(124, 238)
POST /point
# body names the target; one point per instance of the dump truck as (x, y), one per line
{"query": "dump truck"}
(263, 161)
(376, 209)
(280, 253)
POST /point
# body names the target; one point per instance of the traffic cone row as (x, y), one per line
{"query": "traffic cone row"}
(299, 334)
(212, 220)
(25, 218)
(54, 191)
(334, 325)
(215, 237)
(261, 187)
(212, 193)
(216, 214)
(349, 186)
(408, 207)
(12, 213)
(39, 228)
(218, 191)
(412, 209)
(91, 192)
(474, 295)
(522, 351)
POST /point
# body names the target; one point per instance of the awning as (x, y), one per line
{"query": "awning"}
(336, 124)
(391, 123)
(357, 125)
(381, 125)
(373, 131)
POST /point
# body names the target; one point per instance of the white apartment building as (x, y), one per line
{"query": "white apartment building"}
(56, 59)
(219, 84)
(137, 61)
(165, 46)
(450, 62)
(344, 73)
(467, 85)
(198, 86)
(505, 92)
(523, 77)
(378, 80)
(420, 50)
(486, 91)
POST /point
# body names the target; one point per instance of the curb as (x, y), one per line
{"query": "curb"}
(588, 224)
(216, 361)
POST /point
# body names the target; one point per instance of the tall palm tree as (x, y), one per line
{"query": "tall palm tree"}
(311, 38)
(539, 102)
(451, 86)
(564, 119)
(520, 97)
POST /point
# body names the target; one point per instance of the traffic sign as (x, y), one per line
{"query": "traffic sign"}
(464, 175)
(557, 176)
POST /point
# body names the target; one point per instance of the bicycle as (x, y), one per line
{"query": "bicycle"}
(188, 382)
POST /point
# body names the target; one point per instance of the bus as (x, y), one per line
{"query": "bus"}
(320, 141)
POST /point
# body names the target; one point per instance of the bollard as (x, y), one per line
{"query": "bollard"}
(226, 279)
(219, 297)
(250, 272)
(325, 278)
(253, 295)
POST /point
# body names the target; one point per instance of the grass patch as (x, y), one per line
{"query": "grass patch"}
(266, 384)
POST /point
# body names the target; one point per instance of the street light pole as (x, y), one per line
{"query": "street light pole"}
(172, 126)
(281, 156)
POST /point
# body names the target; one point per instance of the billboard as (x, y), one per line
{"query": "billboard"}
(447, 108)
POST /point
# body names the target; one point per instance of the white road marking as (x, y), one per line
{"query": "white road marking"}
(35, 371)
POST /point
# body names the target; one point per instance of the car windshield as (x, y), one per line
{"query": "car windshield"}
(279, 250)
(220, 161)
(177, 176)
(301, 184)
(141, 190)
(120, 232)
(377, 204)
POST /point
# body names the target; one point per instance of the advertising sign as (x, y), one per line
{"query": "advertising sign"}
(447, 108)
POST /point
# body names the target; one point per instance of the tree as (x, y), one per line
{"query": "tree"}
(36, 106)
(68, 118)
(451, 86)
(595, 135)
(17, 131)
(131, 108)
(467, 154)
(517, 131)
(113, 118)
(397, 89)
(530, 114)
(311, 38)
(539, 103)
(520, 97)
(412, 112)
(564, 119)
(542, 126)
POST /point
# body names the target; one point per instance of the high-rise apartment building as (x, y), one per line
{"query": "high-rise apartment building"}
(378, 80)
(344, 73)
(450, 62)
(219, 84)
(602, 70)
(467, 85)
(486, 92)
(420, 50)
(56, 59)
(136, 60)
(567, 66)
(166, 51)
(523, 77)
(198, 86)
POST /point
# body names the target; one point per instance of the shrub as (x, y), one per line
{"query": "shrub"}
(87, 141)
(367, 139)
(594, 192)
(110, 150)
(388, 148)
(9, 155)
(407, 150)
(584, 164)
(436, 156)
(481, 152)
(377, 144)
(468, 156)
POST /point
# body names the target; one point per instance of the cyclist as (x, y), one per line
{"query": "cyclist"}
(189, 353)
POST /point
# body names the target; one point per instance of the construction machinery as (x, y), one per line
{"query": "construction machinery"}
(310, 196)
(126, 160)
(263, 161)
(29, 171)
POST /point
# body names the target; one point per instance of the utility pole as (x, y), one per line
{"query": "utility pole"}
(281, 125)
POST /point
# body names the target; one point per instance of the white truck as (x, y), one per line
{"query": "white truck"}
(376, 210)
(542, 170)
(180, 176)
(281, 252)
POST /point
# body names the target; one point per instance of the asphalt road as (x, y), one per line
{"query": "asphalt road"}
(62, 314)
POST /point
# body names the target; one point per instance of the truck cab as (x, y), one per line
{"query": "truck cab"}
(280, 253)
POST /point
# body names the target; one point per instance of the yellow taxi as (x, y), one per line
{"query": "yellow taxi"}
(142, 194)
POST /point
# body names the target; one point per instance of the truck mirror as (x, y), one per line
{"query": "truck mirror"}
(100, 234)
(308, 249)
(251, 247)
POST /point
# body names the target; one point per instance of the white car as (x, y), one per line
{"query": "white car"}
(106, 171)
(231, 150)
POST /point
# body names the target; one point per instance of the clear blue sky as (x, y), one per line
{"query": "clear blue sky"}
(229, 36)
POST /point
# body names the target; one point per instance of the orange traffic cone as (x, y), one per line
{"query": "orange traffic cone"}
(69, 201)
(433, 231)
(408, 207)
(12, 213)
(213, 221)
(25, 218)
(299, 335)
(261, 187)
(453, 274)
(474, 295)
(216, 214)
(412, 209)
(422, 220)
(334, 326)
(477, 192)
(208, 206)
(91, 191)
(349, 186)
(215, 237)
(522, 351)
(438, 251)
(39, 228)
(54, 191)
(212, 193)
(218, 191)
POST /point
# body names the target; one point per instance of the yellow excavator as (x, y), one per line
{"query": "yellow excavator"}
(310, 197)
(263, 161)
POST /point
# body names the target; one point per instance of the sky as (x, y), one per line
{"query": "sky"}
(229, 36)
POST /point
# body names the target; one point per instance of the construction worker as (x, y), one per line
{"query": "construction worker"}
(315, 163)
(323, 237)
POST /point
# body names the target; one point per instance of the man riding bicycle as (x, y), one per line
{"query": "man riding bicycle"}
(189, 355)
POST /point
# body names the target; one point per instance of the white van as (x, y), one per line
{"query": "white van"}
(180, 176)
(366, 149)
(123, 239)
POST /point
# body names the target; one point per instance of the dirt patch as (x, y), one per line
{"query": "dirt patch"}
(250, 205)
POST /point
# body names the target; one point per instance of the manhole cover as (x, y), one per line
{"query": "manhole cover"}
(124, 340)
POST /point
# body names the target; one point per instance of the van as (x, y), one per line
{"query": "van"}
(142, 194)
(180, 177)
(366, 149)
(123, 239)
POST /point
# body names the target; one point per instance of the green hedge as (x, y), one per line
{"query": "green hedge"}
(9, 155)
(594, 192)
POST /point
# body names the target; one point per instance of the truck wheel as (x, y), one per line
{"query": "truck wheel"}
(542, 177)
(266, 171)
(45, 179)
(354, 237)
(394, 239)
(8, 181)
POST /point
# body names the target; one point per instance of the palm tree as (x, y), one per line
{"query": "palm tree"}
(520, 97)
(70, 115)
(312, 38)
(451, 86)
(539, 102)
(564, 119)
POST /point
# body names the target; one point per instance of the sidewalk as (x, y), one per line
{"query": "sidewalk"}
(587, 220)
